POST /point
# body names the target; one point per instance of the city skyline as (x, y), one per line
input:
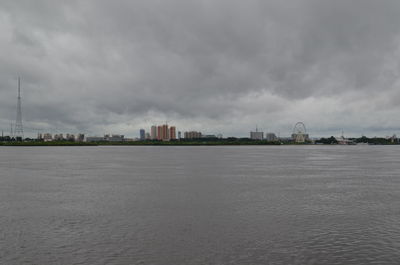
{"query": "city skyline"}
(224, 66)
(157, 132)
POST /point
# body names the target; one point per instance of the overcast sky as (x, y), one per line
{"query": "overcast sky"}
(219, 66)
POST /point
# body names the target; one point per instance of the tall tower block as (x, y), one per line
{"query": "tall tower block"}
(19, 130)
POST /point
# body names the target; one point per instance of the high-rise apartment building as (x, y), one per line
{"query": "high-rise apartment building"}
(153, 132)
(142, 134)
(172, 133)
(159, 132)
(165, 132)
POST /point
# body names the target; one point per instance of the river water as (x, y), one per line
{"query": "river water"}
(200, 205)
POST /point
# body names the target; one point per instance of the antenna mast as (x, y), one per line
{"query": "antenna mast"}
(19, 130)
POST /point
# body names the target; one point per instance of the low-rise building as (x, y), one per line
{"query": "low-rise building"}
(95, 139)
(58, 137)
(209, 136)
(192, 135)
(271, 137)
(113, 137)
(47, 137)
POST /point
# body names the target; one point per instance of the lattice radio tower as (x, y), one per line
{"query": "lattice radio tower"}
(19, 130)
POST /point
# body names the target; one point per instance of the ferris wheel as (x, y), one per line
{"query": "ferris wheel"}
(300, 133)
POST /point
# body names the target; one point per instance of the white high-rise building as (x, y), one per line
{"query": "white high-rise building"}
(256, 135)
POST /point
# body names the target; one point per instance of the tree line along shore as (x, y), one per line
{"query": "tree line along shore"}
(198, 142)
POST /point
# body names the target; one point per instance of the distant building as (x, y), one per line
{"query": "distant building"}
(209, 136)
(172, 133)
(114, 137)
(271, 137)
(165, 132)
(256, 135)
(58, 137)
(192, 135)
(94, 139)
(179, 135)
(106, 138)
(153, 132)
(47, 137)
(142, 134)
(159, 132)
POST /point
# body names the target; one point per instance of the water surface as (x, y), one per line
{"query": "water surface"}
(200, 205)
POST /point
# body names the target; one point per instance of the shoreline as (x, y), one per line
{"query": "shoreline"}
(176, 143)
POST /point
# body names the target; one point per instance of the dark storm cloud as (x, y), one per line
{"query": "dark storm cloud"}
(225, 66)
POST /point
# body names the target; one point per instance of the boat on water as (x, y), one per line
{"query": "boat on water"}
(344, 141)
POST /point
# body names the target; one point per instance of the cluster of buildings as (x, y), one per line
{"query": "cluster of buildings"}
(160, 132)
(48, 137)
(157, 132)
(166, 133)
(299, 135)
(257, 135)
(106, 138)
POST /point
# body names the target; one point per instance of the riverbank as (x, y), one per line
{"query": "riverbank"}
(142, 143)
(231, 142)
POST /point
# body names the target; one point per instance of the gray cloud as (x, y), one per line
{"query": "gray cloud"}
(218, 66)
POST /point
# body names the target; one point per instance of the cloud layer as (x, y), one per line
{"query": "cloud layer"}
(216, 66)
